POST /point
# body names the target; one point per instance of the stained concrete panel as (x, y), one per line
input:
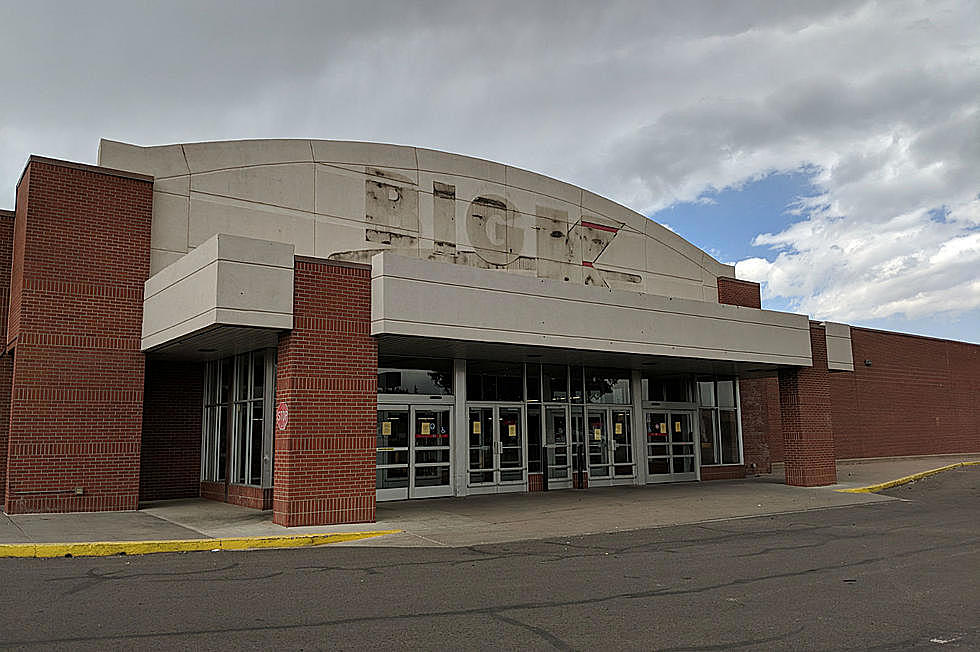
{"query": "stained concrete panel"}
(210, 215)
(286, 186)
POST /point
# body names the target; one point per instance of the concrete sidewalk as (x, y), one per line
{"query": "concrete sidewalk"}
(486, 519)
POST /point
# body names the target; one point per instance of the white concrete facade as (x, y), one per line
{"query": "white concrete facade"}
(349, 201)
(411, 297)
(225, 281)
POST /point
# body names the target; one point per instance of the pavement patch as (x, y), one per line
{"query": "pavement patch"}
(881, 486)
(109, 548)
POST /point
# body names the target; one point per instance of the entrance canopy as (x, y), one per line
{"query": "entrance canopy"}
(426, 308)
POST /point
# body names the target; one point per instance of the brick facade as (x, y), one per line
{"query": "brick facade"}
(170, 450)
(81, 254)
(6, 359)
(238, 494)
(919, 396)
(808, 433)
(327, 379)
(737, 292)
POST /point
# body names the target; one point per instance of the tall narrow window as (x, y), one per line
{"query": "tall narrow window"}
(719, 416)
(236, 437)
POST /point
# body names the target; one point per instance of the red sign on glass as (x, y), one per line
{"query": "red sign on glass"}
(282, 416)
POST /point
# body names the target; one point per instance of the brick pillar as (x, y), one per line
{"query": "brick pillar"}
(808, 436)
(81, 254)
(326, 376)
(6, 360)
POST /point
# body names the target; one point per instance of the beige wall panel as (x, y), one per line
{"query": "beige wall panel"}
(662, 259)
(287, 186)
(211, 215)
(430, 160)
(248, 286)
(205, 157)
(558, 271)
(540, 184)
(619, 214)
(627, 250)
(669, 286)
(169, 226)
(421, 298)
(840, 354)
(334, 236)
(174, 185)
(226, 281)
(160, 259)
(339, 193)
(162, 161)
(355, 153)
(533, 203)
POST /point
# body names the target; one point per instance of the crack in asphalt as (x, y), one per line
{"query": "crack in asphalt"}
(496, 610)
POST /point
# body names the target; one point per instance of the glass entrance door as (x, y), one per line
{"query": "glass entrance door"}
(497, 449)
(414, 449)
(557, 445)
(671, 453)
(610, 446)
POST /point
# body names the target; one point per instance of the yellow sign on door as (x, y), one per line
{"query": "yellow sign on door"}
(476, 427)
(512, 430)
(619, 428)
(598, 434)
(426, 428)
(677, 426)
(663, 428)
(386, 428)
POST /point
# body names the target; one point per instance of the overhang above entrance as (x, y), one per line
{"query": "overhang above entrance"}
(228, 293)
(423, 300)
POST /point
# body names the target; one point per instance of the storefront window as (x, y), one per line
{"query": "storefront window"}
(607, 386)
(555, 383)
(666, 390)
(494, 381)
(235, 433)
(719, 415)
(432, 377)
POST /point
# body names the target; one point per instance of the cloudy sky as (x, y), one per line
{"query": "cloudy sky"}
(830, 149)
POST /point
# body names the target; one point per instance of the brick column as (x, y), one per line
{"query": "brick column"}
(6, 360)
(81, 254)
(808, 435)
(326, 376)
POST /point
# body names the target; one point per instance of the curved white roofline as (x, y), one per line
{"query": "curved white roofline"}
(271, 176)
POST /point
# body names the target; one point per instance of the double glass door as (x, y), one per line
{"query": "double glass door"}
(414, 452)
(671, 450)
(609, 445)
(497, 449)
(558, 446)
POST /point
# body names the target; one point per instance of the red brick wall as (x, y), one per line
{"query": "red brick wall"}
(727, 472)
(755, 395)
(808, 434)
(736, 292)
(238, 494)
(327, 377)
(77, 397)
(170, 450)
(920, 396)
(6, 360)
(535, 482)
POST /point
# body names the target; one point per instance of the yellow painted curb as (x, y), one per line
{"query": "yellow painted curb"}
(874, 488)
(107, 548)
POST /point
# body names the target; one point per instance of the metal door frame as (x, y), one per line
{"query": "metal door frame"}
(557, 483)
(659, 478)
(610, 444)
(498, 485)
(411, 491)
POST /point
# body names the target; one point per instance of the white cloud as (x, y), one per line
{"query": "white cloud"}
(651, 104)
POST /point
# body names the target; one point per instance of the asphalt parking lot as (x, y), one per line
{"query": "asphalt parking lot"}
(898, 574)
